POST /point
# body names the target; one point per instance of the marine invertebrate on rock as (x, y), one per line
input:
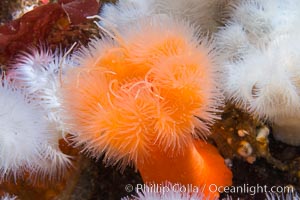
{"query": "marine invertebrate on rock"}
(166, 78)
(26, 139)
(205, 14)
(8, 197)
(260, 63)
(143, 95)
(39, 73)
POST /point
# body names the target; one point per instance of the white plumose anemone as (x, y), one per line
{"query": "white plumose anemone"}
(259, 51)
(205, 14)
(24, 136)
(8, 197)
(39, 72)
(23, 131)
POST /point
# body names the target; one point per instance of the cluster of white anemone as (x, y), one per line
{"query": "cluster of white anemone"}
(30, 120)
(259, 51)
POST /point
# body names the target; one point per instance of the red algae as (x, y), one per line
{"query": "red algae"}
(56, 28)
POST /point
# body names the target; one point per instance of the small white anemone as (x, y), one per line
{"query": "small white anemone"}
(205, 14)
(23, 131)
(8, 197)
(25, 137)
(125, 12)
(39, 73)
(253, 24)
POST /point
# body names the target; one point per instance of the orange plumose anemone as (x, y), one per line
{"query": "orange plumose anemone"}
(152, 90)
